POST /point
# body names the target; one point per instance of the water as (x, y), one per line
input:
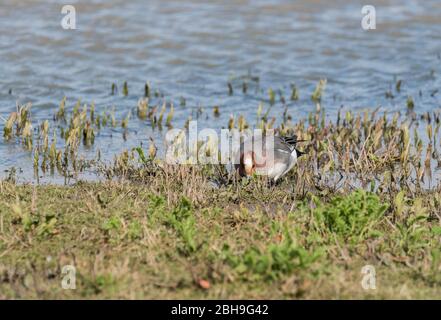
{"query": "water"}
(190, 49)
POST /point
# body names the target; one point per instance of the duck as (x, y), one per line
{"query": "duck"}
(252, 161)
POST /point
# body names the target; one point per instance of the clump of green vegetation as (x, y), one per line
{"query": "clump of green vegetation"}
(183, 221)
(273, 261)
(21, 119)
(352, 217)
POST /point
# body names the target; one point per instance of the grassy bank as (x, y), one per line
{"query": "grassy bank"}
(173, 235)
(365, 193)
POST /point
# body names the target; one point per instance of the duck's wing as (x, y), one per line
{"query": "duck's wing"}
(291, 140)
(285, 144)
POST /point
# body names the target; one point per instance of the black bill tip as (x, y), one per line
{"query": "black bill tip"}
(299, 153)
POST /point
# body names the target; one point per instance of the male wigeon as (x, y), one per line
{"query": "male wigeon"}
(264, 156)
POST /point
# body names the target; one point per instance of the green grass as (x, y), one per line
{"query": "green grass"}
(154, 240)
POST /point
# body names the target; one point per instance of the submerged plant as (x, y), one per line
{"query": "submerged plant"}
(143, 108)
(398, 85)
(8, 128)
(294, 93)
(410, 104)
(125, 89)
(147, 90)
(216, 112)
(317, 94)
(272, 96)
(230, 89)
(62, 110)
(114, 89)
(169, 116)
